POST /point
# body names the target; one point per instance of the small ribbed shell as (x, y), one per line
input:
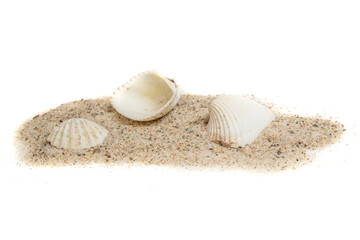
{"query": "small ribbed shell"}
(236, 121)
(77, 133)
(146, 97)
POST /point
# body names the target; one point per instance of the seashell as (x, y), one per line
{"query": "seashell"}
(146, 97)
(77, 133)
(236, 121)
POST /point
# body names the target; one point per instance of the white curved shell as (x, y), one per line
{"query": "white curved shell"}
(146, 97)
(236, 121)
(77, 133)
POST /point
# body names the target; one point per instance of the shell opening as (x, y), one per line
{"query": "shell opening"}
(145, 96)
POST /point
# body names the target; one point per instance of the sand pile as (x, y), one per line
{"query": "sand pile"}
(178, 139)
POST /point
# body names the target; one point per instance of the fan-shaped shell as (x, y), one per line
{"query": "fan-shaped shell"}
(236, 121)
(146, 97)
(77, 133)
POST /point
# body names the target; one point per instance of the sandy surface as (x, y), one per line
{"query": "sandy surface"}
(178, 139)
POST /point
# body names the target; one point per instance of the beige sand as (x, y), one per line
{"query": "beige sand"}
(177, 139)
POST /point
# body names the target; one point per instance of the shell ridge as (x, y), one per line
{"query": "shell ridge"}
(222, 125)
(216, 116)
(88, 138)
(230, 120)
(233, 116)
(59, 135)
(71, 133)
(64, 136)
(213, 123)
(225, 116)
(53, 134)
(74, 134)
(82, 133)
(216, 120)
(91, 132)
(77, 134)
(96, 131)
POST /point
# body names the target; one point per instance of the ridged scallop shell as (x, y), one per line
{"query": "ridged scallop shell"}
(77, 133)
(146, 97)
(236, 121)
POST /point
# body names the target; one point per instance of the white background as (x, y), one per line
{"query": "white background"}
(303, 55)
